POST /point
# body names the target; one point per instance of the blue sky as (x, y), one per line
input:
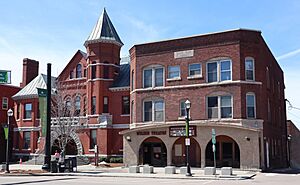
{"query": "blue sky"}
(53, 30)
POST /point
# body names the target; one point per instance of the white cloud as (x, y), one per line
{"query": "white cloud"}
(289, 54)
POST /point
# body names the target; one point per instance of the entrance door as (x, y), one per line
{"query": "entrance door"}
(153, 152)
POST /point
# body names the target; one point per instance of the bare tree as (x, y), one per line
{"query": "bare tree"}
(67, 113)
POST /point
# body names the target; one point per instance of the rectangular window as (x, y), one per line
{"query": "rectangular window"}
(195, 70)
(182, 108)
(94, 70)
(93, 138)
(125, 105)
(27, 110)
(226, 108)
(159, 77)
(148, 111)
(105, 104)
(26, 140)
(93, 111)
(159, 110)
(250, 101)
(219, 107)
(147, 78)
(212, 72)
(212, 107)
(225, 70)
(173, 72)
(249, 66)
(4, 103)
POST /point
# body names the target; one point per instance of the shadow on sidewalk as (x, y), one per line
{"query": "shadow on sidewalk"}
(283, 171)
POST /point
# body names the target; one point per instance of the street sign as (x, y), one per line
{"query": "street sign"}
(187, 141)
(5, 77)
(213, 139)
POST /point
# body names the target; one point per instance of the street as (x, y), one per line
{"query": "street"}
(261, 178)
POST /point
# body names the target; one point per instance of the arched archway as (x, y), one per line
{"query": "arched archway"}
(179, 153)
(153, 151)
(227, 153)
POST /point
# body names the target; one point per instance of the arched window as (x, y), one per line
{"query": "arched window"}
(78, 71)
(219, 106)
(67, 107)
(94, 69)
(77, 106)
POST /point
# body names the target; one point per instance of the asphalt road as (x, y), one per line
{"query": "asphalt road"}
(264, 179)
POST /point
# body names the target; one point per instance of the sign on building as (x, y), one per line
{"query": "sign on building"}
(180, 131)
(5, 77)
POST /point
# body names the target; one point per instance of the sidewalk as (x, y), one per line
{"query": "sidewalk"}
(90, 170)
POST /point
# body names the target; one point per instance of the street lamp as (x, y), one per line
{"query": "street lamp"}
(187, 140)
(289, 148)
(9, 114)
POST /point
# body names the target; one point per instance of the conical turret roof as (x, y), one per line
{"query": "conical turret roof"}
(104, 31)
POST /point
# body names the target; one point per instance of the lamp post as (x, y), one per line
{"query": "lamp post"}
(9, 114)
(187, 140)
(289, 148)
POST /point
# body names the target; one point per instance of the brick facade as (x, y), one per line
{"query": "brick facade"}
(236, 45)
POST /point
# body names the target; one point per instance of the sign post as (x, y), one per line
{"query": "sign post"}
(213, 139)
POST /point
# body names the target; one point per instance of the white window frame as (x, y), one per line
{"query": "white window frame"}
(4, 102)
(219, 70)
(251, 94)
(219, 107)
(179, 71)
(253, 70)
(198, 75)
(153, 109)
(153, 67)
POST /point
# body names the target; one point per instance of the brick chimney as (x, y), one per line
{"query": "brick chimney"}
(30, 71)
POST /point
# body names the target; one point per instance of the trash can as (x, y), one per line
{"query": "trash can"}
(74, 163)
(53, 167)
(68, 165)
(61, 167)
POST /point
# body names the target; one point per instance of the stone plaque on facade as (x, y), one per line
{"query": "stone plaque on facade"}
(180, 131)
(184, 54)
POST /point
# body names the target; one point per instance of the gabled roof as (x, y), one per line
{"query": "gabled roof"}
(30, 90)
(124, 77)
(104, 31)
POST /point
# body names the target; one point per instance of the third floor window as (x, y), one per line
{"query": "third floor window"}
(249, 67)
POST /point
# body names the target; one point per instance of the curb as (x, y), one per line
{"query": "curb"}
(153, 176)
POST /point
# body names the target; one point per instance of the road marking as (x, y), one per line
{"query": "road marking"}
(271, 174)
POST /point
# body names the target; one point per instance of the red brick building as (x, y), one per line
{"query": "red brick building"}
(6, 103)
(235, 86)
(94, 85)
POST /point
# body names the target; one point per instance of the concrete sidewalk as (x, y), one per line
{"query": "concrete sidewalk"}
(90, 170)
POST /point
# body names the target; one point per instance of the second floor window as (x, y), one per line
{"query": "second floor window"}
(182, 108)
(154, 110)
(93, 110)
(78, 71)
(27, 110)
(77, 106)
(173, 72)
(219, 71)
(250, 102)
(94, 70)
(4, 103)
(219, 107)
(125, 105)
(105, 104)
(249, 67)
(153, 77)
